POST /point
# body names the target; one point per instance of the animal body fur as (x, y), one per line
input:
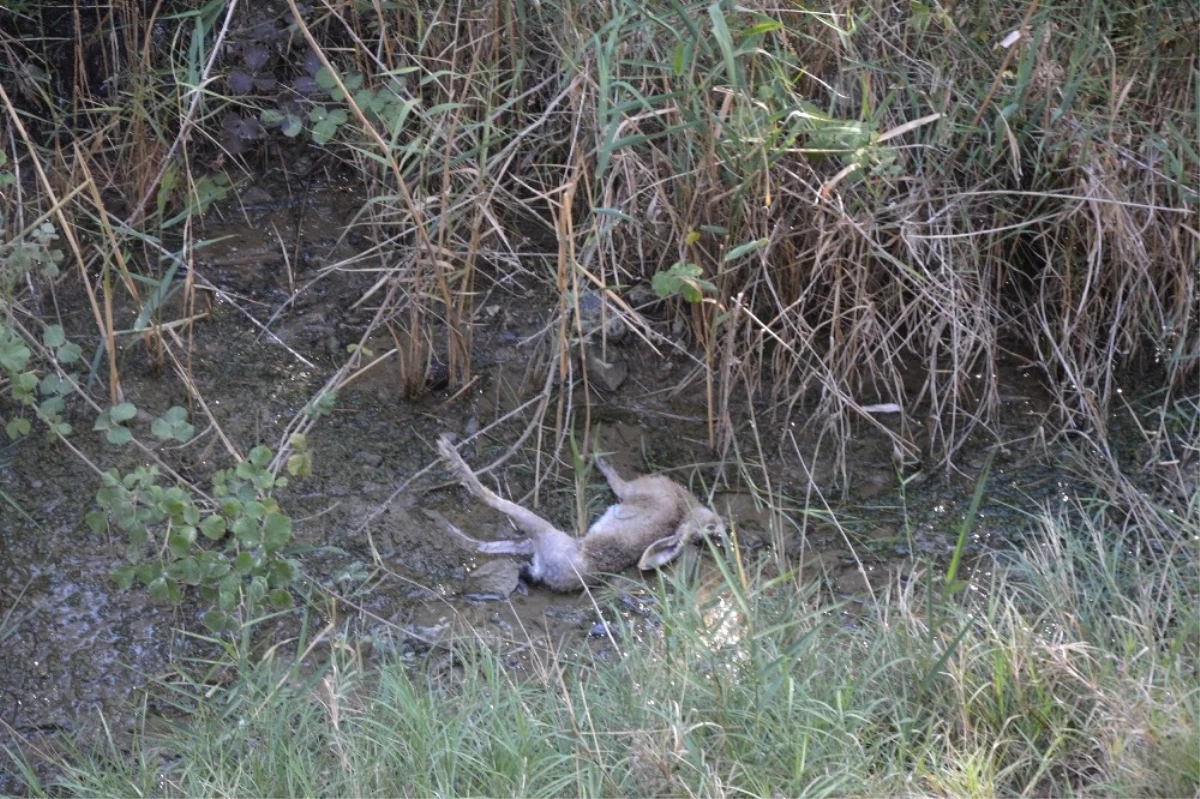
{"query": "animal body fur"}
(653, 520)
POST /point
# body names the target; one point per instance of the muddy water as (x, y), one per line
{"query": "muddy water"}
(77, 650)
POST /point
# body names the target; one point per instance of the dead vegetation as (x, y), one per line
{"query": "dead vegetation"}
(841, 208)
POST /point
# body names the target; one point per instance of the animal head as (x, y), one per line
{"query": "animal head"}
(700, 523)
(706, 524)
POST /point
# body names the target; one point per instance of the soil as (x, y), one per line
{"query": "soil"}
(78, 651)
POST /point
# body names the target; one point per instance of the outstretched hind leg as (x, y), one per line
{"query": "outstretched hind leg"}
(525, 520)
(525, 546)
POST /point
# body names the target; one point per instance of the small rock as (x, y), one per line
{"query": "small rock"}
(642, 296)
(504, 626)
(607, 374)
(256, 195)
(852, 582)
(639, 606)
(593, 314)
(602, 630)
(493, 581)
(428, 635)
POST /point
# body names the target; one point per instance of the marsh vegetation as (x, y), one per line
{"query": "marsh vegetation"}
(908, 291)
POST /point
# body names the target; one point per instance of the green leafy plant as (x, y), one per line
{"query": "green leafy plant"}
(682, 280)
(111, 423)
(385, 106)
(321, 405)
(45, 396)
(232, 550)
(7, 178)
(207, 190)
(173, 425)
(325, 122)
(323, 119)
(299, 463)
(32, 251)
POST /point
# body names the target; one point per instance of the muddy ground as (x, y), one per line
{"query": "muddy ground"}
(78, 650)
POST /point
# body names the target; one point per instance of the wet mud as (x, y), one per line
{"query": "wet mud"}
(278, 317)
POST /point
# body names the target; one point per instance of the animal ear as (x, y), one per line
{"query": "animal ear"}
(661, 552)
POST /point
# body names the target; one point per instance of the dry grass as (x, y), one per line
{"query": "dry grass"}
(885, 198)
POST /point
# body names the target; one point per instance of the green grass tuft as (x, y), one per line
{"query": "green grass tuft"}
(1066, 669)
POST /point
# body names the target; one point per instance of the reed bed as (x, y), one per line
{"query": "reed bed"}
(853, 206)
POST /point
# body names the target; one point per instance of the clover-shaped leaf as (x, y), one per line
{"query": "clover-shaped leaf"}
(213, 527)
(173, 424)
(109, 422)
(17, 428)
(13, 352)
(277, 532)
(54, 336)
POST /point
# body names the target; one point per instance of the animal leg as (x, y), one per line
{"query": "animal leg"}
(620, 487)
(525, 546)
(525, 520)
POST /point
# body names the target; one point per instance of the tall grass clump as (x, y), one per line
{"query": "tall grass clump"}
(845, 207)
(883, 188)
(1069, 668)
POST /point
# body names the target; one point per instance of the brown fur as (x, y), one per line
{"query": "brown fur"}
(654, 519)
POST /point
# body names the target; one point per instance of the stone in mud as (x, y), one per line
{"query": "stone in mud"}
(595, 320)
(493, 581)
(602, 629)
(610, 374)
(256, 196)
